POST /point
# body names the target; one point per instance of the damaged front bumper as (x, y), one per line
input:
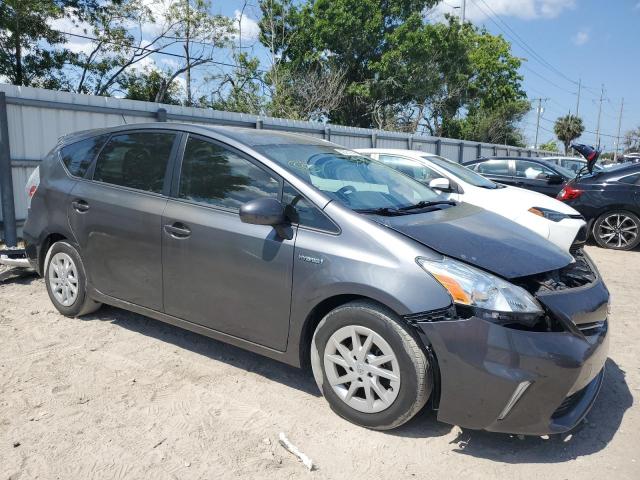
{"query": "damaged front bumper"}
(505, 379)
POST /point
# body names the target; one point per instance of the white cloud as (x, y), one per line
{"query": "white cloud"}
(479, 10)
(580, 38)
(250, 29)
(74, 44)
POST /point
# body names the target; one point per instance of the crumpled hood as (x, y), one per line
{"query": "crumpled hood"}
(481, 238)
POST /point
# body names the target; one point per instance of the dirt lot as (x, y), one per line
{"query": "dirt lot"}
(118, 395)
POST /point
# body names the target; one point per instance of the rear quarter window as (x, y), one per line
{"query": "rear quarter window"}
(77, 157)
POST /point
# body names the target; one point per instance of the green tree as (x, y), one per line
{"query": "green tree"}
(353, 34)
(26, 41)
(550, 146)
(567, 129)
(146, 84)
(239, 90)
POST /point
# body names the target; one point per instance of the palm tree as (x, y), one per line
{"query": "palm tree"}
(567, 129)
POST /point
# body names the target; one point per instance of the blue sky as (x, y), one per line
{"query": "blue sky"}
(597, 41)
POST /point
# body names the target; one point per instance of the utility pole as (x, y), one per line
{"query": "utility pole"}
(464, 12)
(578, 101)
(599, 115)
(538, 120)
(615, 155)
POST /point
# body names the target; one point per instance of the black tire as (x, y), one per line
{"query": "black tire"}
(416, 380)
(82, 304)
(602, 227)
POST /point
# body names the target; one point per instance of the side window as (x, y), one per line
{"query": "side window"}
(532, 170)
(573, 165)
(631, 179)
(215, 175)
(410, 167)
(301, 211)
(493, 167)
(78, 156)
(135, 160)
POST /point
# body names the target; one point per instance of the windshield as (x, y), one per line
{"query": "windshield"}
(357, 182)
(463, 173)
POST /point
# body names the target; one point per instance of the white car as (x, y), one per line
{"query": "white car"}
(548, 217)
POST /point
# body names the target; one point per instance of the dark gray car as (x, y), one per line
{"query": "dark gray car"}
(309, 253)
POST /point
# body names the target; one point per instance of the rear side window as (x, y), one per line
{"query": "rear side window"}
(217, 176)
(78, 156)
(410, 167)
(494, 167)
(304, 213)
(135, 160)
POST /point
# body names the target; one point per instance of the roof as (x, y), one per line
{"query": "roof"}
(248, 136)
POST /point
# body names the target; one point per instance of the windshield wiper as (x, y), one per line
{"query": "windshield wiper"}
(426, 204)
(385, 211)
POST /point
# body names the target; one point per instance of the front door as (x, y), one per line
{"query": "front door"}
(534, 176)
(221, 273)
(116, 217)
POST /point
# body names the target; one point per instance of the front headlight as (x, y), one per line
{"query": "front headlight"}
(549, 214)
(481, 293)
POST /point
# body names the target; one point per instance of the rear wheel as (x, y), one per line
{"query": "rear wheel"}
(369, 366)
(618, 230)
(66, 281)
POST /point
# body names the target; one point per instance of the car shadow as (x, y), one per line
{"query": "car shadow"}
(271, 369)
(20, 276)
(591, 436)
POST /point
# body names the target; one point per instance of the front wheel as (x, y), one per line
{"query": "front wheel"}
(369, 366)
(618, 230)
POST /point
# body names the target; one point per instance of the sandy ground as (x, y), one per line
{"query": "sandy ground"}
(118, 395)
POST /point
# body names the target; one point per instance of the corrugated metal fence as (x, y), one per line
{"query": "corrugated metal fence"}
(36, 118)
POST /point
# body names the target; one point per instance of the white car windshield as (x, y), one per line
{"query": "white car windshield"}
(358, 182)
(463, 173)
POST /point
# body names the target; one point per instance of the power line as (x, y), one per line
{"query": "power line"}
(513, 35)
(151, 50)
(525, 45)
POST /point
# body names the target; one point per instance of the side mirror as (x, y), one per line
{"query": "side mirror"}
(555, 179)
(263, 211)
(442, 184)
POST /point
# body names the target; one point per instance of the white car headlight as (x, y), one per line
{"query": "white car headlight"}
(549, 214)
(486, 295)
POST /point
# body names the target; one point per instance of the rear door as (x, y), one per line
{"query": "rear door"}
(534, 176)
(116, 216)
(218, 272)
(498, 170)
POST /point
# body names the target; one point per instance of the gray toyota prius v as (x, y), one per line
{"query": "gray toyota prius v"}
(309, 253)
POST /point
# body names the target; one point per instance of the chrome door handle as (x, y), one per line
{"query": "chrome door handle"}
(178, 230)
(80, 206)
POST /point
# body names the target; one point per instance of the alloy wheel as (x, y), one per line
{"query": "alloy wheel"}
(63, 279)
(618, 230)
(362, 369)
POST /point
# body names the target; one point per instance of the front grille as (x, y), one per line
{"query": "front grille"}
(568, 403)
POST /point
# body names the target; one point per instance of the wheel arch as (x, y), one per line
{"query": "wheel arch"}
(46, 243)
